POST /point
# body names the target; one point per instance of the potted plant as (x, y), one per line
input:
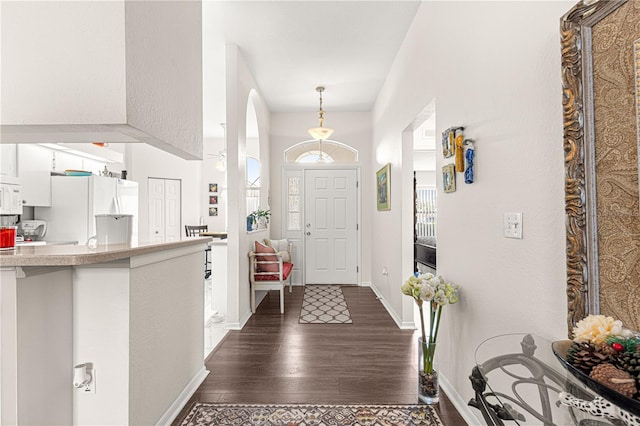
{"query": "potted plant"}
(262, 218)
(259, 218)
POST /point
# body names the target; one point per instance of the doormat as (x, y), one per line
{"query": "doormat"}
(205, 414)
(324, 304)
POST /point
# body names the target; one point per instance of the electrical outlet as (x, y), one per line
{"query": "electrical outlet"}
(513, 225)
(90, 388)
(385, 271)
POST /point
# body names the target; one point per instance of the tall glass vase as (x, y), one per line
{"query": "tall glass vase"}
(428, 389)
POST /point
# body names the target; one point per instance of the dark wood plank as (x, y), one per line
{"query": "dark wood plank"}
(275, 360)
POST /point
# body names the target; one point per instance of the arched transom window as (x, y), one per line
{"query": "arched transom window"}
(313, 151)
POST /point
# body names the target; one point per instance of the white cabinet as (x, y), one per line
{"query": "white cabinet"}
(34, 170)
(8, 159)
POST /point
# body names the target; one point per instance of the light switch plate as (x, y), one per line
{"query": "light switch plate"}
(513, 225)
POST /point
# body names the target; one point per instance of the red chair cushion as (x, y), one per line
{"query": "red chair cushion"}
(286, 270)
(266, 267)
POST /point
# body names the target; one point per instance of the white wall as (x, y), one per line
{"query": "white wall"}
(45, 325)
(498, 76)
(428, 178)
(144, 161)
(76, 63)
(164, 73)
(212, 175)
(351, 128)
(166, 334)
(241, 89)
(63, 62)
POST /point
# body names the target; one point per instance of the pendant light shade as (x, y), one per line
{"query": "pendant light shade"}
(320, 133)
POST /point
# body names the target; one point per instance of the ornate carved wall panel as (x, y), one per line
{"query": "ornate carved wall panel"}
(616, 162)
(601, 138)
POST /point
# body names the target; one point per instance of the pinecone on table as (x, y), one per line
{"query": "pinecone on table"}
(585, 356)
(629, 362)
(605, 348)
(614, 378)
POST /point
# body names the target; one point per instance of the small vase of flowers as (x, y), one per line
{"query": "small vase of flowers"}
(435, 293)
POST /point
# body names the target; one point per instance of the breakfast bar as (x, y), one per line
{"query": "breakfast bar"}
(130, 313)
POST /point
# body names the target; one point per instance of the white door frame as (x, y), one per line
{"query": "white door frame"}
(299, 249)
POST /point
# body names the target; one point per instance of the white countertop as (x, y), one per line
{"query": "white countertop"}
(69, 255)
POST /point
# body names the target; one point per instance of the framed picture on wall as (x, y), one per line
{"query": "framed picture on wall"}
(383, 188)
(449, 178)
(448, 145)
(213, 187)
(213, 199)
(213, 211)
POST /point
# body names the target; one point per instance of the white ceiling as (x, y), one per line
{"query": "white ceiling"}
(293, 46)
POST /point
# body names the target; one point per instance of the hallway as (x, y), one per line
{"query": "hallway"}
(276, 360)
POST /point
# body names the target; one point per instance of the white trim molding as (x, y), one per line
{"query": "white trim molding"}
(172, 412)
(463, 408)
(240, 324)
(407, 325)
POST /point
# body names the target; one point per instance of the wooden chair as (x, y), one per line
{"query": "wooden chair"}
(194, 231)
(273, 278)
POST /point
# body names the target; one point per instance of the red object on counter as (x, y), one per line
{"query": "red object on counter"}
(7, 237)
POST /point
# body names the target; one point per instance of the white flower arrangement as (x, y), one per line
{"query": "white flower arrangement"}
(437, 293)
(595, 329)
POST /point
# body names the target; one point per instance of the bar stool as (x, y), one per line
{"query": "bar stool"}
(194, 231)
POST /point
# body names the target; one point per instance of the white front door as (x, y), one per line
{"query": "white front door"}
(330, 227)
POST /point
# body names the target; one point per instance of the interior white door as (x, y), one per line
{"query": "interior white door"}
(156, 209)
(173, 203)
(331, 227)
(165, 205)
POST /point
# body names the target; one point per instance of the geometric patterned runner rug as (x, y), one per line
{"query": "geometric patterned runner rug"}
(206, 414)
(324, 304)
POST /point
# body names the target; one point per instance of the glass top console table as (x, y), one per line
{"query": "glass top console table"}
(519, 381)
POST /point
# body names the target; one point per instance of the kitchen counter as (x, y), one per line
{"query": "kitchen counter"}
(71, 255)
(43, 243)
(128, 310)
(222, 235)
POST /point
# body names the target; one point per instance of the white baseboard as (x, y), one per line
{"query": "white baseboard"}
(174, 409)
(401, 325)
(465, 410)
(238, 325)
(260, 295)
(366, 284)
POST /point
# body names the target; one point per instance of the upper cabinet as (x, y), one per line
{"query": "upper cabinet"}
(34, 171)
(8, 160)
(85, 66)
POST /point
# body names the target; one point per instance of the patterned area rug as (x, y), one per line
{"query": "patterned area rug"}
(205, 414)
(324, 304)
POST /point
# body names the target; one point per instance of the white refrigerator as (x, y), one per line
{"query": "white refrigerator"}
(75, 200)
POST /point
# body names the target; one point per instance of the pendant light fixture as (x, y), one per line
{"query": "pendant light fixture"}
(320, 133)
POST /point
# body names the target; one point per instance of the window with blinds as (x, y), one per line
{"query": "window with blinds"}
(426, 212)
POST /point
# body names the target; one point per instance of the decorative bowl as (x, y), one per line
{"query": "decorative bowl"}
(77, 173)
(631, 405)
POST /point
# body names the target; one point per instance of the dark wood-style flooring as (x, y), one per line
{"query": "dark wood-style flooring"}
(275, 360)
